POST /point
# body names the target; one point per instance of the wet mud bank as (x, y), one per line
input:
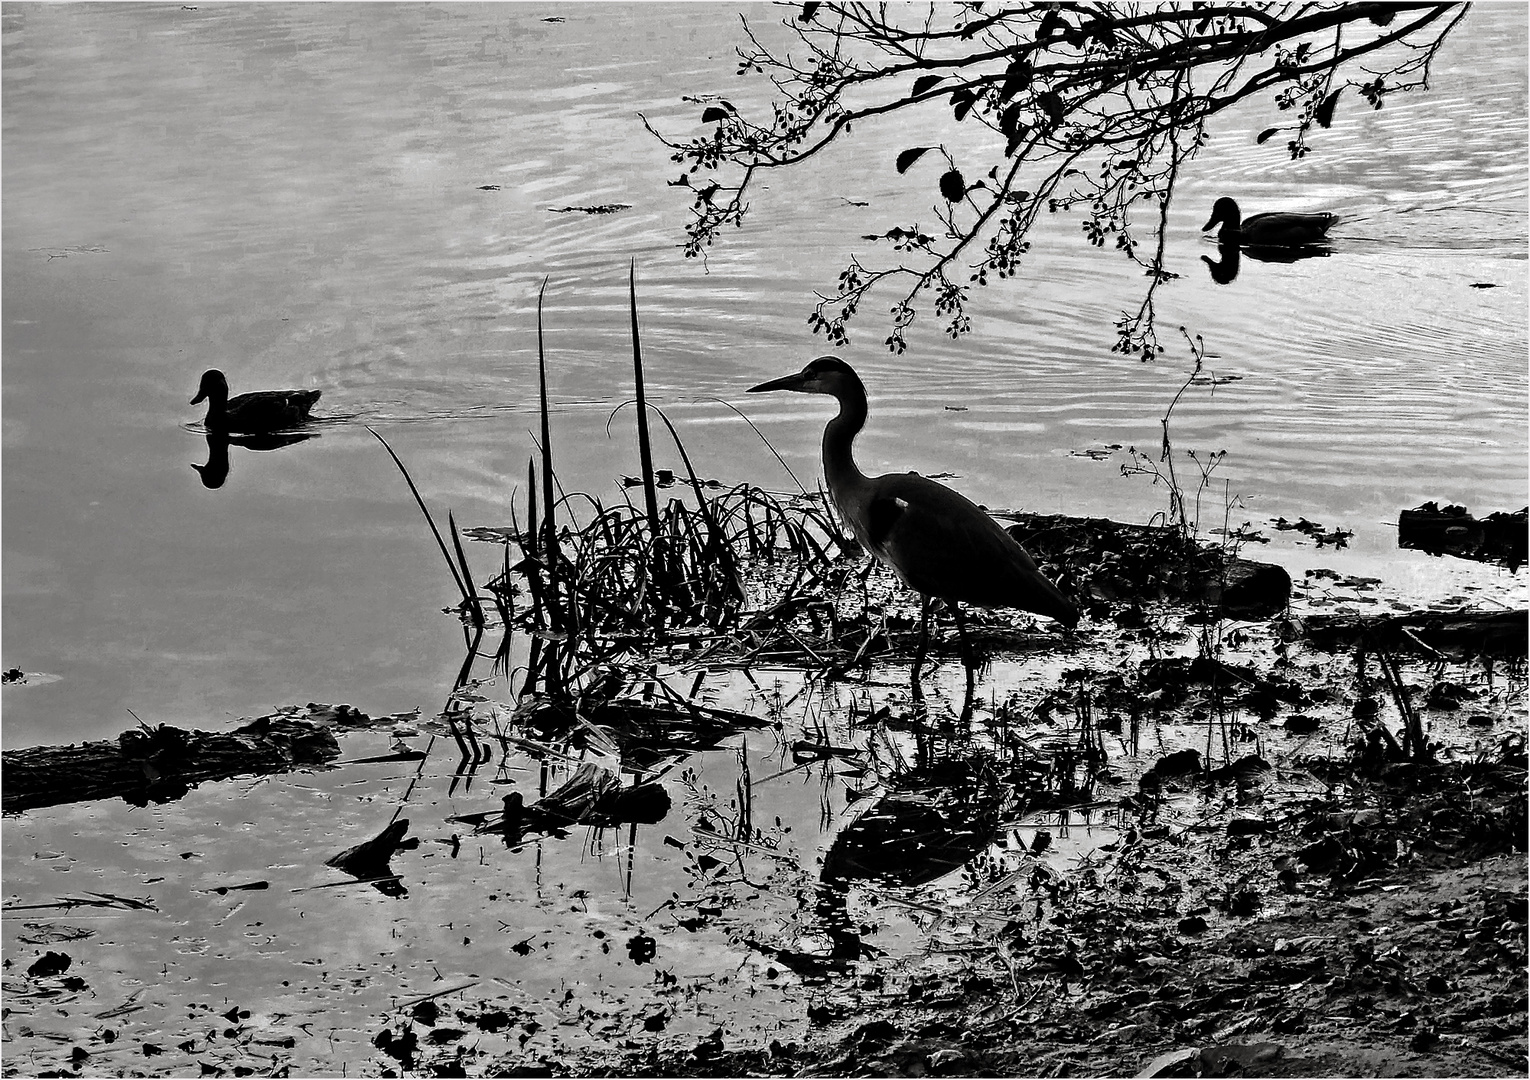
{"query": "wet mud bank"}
(1227, 824)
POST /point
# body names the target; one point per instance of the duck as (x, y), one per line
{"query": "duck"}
(1279, 229)
(263, 410)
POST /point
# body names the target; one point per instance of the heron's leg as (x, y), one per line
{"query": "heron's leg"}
(968, 661)
(924, 640)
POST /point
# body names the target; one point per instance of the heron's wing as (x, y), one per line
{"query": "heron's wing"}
(943, 544)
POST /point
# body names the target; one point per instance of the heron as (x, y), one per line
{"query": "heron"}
(937, 541)
(1278, 229)
(261, 411)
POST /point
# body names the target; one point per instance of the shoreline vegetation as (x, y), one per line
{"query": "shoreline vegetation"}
(1272, 902)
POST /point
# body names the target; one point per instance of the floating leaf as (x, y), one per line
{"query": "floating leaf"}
(908, 157)
(924, 82)
(1264, 135)
(952, 186)
(1323, 114)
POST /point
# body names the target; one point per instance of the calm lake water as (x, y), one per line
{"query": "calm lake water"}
(293, 194)
(300, 195)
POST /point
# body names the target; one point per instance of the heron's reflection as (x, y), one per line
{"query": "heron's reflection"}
(1223, 271)
(216, 470)
(932, 820)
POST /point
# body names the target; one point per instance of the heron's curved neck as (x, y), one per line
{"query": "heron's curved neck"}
(839, 467)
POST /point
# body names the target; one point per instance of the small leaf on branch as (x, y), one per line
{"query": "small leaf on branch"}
(952, 186)
(808, 9)
(715, 114)
(962, 101)
(924, 82)
(1323, 114)
(1383, 16)
(1051, 104)
(1009, 119)
(908, 157)
(1017, 78)
(1264, 136)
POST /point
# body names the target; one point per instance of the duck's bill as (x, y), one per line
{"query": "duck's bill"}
(200, 395)
(786, 382)
(1210, 223)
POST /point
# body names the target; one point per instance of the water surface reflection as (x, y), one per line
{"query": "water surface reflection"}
(216, 470)
(360, 201)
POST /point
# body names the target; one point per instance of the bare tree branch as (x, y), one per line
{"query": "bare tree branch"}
(1094, 105)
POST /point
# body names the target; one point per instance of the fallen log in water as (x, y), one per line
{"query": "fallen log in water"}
(1498, 538)
(1458, 635)
(159, 764)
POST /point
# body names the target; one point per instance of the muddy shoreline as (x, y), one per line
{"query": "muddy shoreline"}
(1174, 842)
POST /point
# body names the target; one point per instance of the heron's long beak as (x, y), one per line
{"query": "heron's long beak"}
(786, 382)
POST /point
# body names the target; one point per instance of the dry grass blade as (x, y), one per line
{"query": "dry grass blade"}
(474, 604)
(645, 452)
(549, 524)
(467, 595)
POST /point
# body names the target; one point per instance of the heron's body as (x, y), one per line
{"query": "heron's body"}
(936, 540)
(1278, 229)
(263, 410)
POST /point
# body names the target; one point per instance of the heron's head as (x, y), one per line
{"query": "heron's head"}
(826, 375)
(213, 385)
(1224, 210)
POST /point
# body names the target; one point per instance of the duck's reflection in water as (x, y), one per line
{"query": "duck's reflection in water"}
(215, 472)
(1225, 268)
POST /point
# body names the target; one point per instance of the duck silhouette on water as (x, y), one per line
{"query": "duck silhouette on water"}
(260, 411)
(1281, 229)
